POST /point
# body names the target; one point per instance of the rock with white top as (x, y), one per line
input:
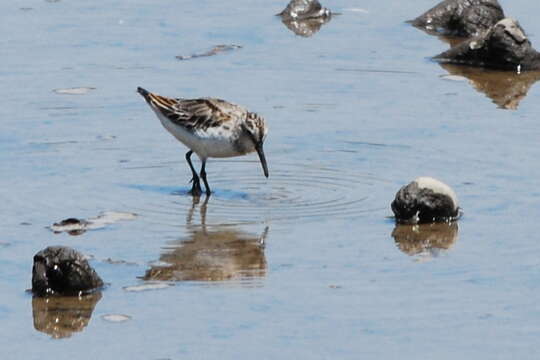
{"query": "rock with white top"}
(425, 200)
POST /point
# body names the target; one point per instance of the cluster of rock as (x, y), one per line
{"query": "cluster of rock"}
(493, 40)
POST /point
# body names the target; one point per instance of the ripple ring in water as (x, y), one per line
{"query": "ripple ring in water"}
(293, 192)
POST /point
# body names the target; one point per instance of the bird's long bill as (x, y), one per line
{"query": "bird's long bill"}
(260, 151)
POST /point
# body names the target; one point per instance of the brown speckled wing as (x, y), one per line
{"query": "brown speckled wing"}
(198, 113)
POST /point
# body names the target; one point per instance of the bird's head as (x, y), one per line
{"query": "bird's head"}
(255, 128)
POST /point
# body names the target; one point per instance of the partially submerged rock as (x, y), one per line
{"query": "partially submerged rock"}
(425, 200)
(304, 9)
(305, 17)
(60, 270)
(74, 226)
(464, 18)
(504, 47)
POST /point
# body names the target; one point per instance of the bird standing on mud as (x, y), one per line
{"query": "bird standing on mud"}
(210, 128)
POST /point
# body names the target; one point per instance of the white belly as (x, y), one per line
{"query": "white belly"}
(211, 143)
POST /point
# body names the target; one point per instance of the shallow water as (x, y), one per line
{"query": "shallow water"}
(306, 264)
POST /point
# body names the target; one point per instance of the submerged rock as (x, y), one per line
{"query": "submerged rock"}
(304, 9)
(116, 318)
(62, 270)
(147, 286)
(74, 91)
(425, 200)
(504, 47)
(214, 51)
(464, 18)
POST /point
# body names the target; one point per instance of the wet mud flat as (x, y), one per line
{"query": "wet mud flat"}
(306, 264)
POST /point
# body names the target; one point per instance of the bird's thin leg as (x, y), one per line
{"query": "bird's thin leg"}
(203, 176)
(196, 188)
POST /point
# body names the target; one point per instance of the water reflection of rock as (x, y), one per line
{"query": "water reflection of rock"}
(505, 88)
(306, 27)
(60, 316)
(426, 240)
(211, 253)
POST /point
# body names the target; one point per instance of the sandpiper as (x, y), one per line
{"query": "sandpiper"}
(210, 128)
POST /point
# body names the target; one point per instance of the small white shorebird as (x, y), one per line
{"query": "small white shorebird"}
(210, 128)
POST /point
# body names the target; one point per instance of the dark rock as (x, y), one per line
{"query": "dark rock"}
(425, 200)
(72, 226)
(69, 221)
(63, 271)
(503, 47)
(464, 18)
(304, 9)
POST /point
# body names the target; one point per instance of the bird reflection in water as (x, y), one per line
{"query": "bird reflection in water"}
(425, 240)
(211, 253)
(61, 316)
(505, 88)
